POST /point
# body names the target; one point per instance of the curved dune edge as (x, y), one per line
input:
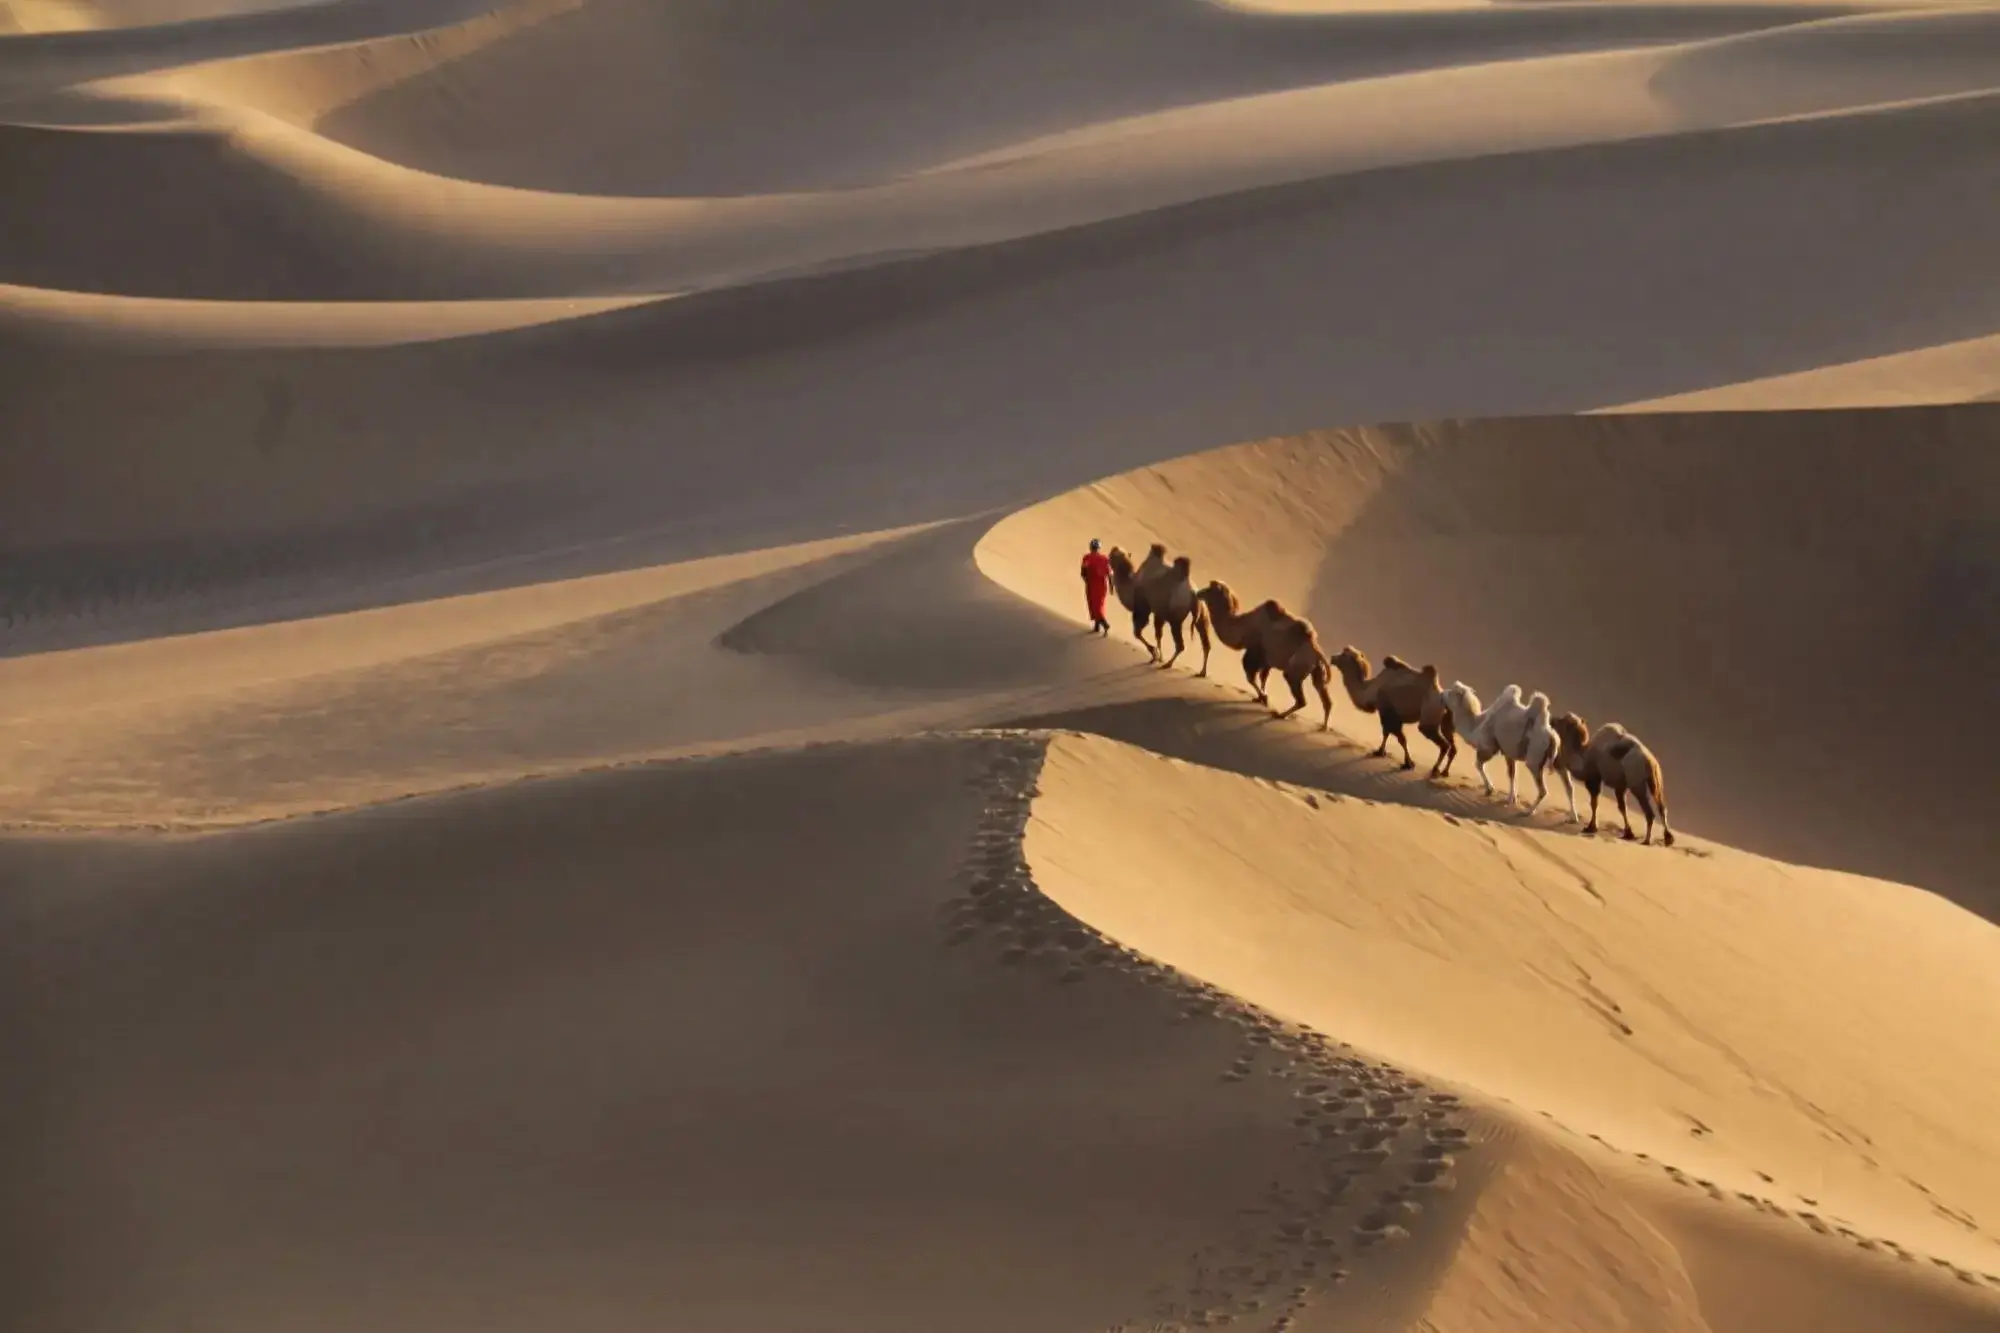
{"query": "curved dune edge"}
(1957, 372)
(184, 325)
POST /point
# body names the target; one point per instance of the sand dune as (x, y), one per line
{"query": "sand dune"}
(550, 773)
(638, 1099)
(1146, 302)
(1693, 1039)
(338, 221)
(816, 100)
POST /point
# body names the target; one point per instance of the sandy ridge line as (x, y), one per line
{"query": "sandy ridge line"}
(1379, 1147)
(41, 61)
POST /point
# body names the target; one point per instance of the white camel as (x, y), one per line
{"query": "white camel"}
(1516, 731)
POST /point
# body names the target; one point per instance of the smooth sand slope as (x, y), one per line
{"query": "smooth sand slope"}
(601, 1051)
(550, 773)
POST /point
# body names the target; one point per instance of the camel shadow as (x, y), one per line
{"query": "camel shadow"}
(1219, 728)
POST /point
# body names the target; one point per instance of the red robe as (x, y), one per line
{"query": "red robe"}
(1096, 582)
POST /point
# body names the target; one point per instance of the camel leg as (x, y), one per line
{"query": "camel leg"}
(1139, 617)
(1253, 669)
(1484, 757)
(1513, 780)
(1404, 741)
(1201, 632)
(1430, 733)
(1180, 644)
(1646, 807)
(1593, 784)
(1541, 788)
(1261, 680)
(1298, 694)
(1447, 743)
(1390, 721)
(1325, 701)
(1666, 830)
(1569, 786)
(1630, 836)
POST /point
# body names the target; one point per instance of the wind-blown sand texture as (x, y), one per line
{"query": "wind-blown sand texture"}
(551, 775)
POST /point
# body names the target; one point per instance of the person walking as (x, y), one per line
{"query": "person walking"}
(1096, 583)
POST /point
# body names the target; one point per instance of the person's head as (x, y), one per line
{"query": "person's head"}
(1093, 543)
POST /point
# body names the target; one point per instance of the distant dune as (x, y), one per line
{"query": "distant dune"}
(551, 773)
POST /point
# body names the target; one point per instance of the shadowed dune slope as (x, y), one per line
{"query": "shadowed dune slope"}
(1757, 595)
(600, 1051)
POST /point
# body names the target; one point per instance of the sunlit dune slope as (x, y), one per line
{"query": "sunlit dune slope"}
(1808, 1038)
(1754, 594)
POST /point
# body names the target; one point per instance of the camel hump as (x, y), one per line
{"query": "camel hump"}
(1430, 673)
(1623, 746)
(1539, 702)
(1271, 606)
(1394, 661)
(1182, 564)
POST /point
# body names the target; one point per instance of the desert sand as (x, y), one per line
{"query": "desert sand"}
(552, 775)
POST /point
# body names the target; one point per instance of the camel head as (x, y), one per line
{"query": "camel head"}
(1121, 563)
(1573, 730)
(1351, 660)
(1460, 698)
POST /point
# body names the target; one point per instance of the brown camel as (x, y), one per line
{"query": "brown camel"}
(1612, 757)
(1167, 591)
(1401, 694)
(1270, 636)
(1125, 583)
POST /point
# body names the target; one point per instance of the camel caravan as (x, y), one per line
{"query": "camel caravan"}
(1160, 594)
